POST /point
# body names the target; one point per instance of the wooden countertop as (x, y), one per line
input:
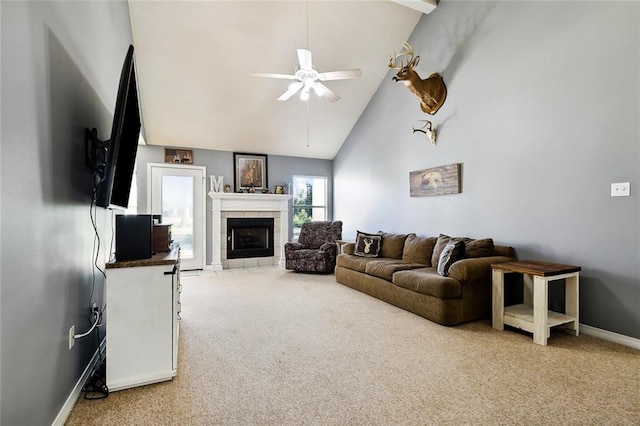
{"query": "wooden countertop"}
(164, 258)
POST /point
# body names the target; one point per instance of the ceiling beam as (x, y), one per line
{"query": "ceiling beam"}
(424, 6)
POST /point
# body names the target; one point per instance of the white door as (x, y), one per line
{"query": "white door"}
(178, 194)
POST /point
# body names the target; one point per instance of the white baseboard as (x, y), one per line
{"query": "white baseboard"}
(65, 411)
(610, 336)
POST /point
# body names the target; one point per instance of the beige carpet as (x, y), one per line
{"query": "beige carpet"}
(275, 347)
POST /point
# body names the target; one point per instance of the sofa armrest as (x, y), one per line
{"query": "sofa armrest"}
(477, 268)
(349, 248)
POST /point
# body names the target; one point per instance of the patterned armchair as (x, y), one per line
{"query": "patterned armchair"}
(316, 248)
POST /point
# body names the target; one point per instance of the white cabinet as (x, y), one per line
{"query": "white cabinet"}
(143, 307)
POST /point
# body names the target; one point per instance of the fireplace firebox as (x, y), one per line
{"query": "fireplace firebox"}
(249, 237)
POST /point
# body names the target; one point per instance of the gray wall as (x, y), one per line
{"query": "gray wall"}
(543, 113)
(280, 169)
(61, 65)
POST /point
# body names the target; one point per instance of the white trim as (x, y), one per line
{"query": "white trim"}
(203, 199)
(610, 336)
(65, 411)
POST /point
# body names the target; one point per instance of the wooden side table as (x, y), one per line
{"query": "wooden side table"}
(533, 315)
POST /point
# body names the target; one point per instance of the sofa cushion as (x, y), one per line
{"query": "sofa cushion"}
(427, 281)
(505, 251)
(367, 245)
(478, 248)
(451, 253)
(392, 245)
(385, 268)
(418, 249)
(356, 263)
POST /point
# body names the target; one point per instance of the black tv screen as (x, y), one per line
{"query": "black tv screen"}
(115, 184)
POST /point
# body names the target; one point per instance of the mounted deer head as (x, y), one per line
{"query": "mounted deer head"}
(432, 92)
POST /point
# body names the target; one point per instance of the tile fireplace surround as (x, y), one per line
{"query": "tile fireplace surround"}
(225, 205)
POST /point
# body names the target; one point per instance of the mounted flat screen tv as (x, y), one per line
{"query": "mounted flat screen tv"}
(114, 185)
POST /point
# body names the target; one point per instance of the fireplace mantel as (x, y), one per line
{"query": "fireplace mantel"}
(251, 203)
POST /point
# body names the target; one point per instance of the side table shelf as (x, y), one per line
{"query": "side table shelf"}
(521, 316)
(533, 315)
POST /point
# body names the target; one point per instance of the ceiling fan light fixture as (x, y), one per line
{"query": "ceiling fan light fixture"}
(304, 95)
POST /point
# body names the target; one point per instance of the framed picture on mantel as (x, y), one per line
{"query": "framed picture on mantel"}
(250, 172)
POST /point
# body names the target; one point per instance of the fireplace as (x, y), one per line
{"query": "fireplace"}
(229, 205)
(249, 237)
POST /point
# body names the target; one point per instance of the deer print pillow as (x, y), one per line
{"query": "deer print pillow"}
(367, 245)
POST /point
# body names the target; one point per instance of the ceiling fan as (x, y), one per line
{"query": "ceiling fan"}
(309, 78)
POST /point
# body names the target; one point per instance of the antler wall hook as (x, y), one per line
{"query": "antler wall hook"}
(430, 131)
(431, 92)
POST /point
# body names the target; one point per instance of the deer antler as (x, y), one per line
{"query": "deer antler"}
(407, 51)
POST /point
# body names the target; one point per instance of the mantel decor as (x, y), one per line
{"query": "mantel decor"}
(435, 181)
(250, 172)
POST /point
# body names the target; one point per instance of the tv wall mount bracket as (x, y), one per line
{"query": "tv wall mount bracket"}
(95, 151)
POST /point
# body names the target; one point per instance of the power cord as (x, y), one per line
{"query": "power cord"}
(93, 326)
(96, 386)
(96, 248)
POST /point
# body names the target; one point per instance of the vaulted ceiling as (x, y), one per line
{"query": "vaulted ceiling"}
(195, 59)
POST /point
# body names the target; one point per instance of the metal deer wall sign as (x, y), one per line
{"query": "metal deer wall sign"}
(432, 91)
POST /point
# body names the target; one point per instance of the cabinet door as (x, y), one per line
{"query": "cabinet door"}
(177, 306)
(140, 326)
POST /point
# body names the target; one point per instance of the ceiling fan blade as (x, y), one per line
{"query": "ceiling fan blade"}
(304, 59)
(339, 75)
(325, 92)
(272, 75)
(293, 88)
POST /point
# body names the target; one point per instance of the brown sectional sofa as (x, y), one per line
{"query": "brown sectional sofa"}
(405, 274)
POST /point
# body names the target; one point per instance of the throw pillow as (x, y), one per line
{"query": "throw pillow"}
(367, 245)
(442, 241)
(451, 253)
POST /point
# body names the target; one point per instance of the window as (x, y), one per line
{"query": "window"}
(309, 201)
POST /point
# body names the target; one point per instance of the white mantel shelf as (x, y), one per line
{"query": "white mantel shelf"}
(229, 201)
(251, 202)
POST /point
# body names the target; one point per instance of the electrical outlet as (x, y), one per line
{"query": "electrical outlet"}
(95, 313)
(621, 189)
(72, 339)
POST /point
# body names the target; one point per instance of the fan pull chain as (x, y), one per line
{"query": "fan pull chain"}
(308, 144)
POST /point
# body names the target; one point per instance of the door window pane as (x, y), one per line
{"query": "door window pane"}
(309, 201)
(177, 210)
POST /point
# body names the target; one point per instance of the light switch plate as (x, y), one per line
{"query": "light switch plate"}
(620, 189)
